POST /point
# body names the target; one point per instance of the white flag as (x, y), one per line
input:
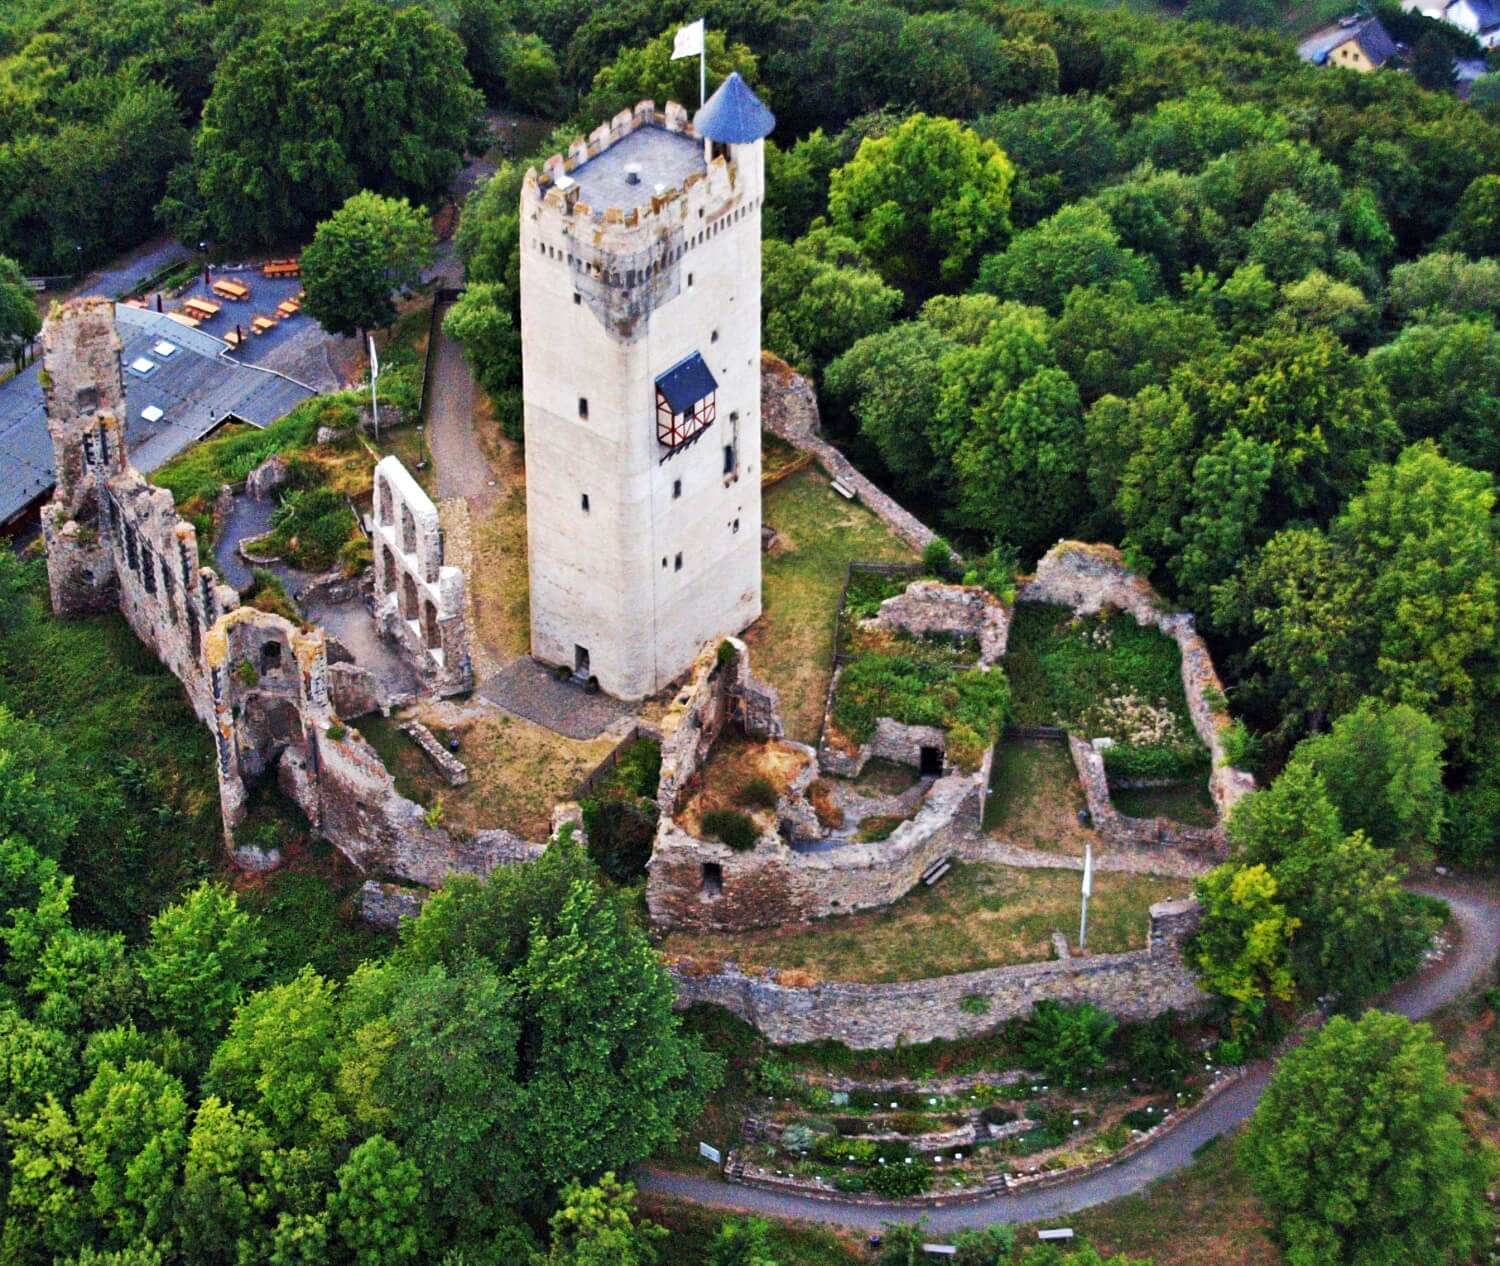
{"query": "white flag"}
(1088, 870)
(374, 360)
(689, 41)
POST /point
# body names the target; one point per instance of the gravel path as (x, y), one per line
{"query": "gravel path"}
(1476, 914)
(462, 468)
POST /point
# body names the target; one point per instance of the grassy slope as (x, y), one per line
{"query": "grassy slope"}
(980, 916)
(791, 645)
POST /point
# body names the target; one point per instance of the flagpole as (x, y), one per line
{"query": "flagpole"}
(703, 69)
(374, 400)
(1088, 884)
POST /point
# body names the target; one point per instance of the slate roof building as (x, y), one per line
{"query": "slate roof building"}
(1362, 45)
(179, 385)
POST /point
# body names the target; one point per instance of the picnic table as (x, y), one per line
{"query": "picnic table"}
(288, 308)
(201, 308)
(262, 324)
(182, 318)
(282, 268)
(229, 289)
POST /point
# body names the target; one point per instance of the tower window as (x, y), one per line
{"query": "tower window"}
(584, 502)
(577, 298)
(676, 489)
(583, 406)
(736, 525)
(714, 337)
(678, 566)
(690, 281)
(729, 459)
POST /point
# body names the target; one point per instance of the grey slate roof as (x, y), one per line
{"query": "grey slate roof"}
(195, 387)
(686, 383)
(1376, 42)
(734, 115)
(1486, 12)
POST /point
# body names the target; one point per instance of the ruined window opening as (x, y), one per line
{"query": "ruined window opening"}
(583, 407)
(931, 762)
(87, 398)
(195, 637)
(581, 660)
(408, 598)
(584, 502)
(434, 634)
(389, 560)
(678, 565)
(270, 658)
(387, 515)
(408, 530)
(148, 570)
(132, 552)
(713, 879)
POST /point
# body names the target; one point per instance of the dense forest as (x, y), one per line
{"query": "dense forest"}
(1055, 271)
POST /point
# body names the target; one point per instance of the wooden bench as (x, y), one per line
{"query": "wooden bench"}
(261, 325)
(843, 489)
(236, 290)
(282, 268)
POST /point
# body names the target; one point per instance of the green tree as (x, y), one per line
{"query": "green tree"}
(356, 96)
(742, 1242)
(228, 1194)
(819, 298)
(48, 1206)
(1242, 948)
(1432, 63)
(648, 72)
(1110, 342)
(596, 1226)
(531, 75)
(1063, 147)
(1444, 384)
(991, 1246)
(1078, 246)
(19, 322)
(1399, 600)
(1358, 1149)
(377, 1208)
(924, 203)
(1336, 306)
(35, 1062)
(481, 320)
(1382, 767)
(368, 249)
(200, 955)
(132, 1132)
(1444, 282)
(1476, 223)
(1185, 133)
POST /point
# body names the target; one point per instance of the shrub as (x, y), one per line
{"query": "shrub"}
(850, 1182)
(758, 793)
(965, 748)
(974, 1004)
(245, 671)
(1229, 1052)
(996, 1115)
(773, 1076)
(842, 1151)
(725, 654)
(1241, 748)
(731, 827)
(1142, 1119)
(919, 686)
(336, 731)
(880, 826)
(914, 1123)
(892, 1151)
(901, 1180)
(1153, 1053)
(938, 560)
(800, 1138)
(1067, 1042)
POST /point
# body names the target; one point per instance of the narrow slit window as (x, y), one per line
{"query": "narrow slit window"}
(678, 564)
(676, 489)
(583, 406)
(584, 502)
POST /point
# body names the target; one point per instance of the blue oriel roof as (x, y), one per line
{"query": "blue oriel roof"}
(686, 383)
(734, 114)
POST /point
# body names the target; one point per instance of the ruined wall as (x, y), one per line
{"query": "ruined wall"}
(930, 608)
(419, 601)
(1094, 578)
(1120, 831)
(1134, 986)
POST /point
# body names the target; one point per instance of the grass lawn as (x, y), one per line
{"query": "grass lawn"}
(1188, 803)
(1035, 797)
(791, 645)
(1206, 1215)
(979, 916)
(517, 770)
(499, 579)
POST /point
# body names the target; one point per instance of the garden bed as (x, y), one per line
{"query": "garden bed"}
(1188, 803)
(979, 916)
(1105, 677)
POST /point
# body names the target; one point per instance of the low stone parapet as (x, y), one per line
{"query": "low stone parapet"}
(455, 773)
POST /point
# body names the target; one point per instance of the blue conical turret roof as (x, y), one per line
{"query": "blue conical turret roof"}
(734, 114)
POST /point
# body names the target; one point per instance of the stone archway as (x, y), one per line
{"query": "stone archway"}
(388, 570)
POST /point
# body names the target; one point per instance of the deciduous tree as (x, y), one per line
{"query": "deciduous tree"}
(368, 249)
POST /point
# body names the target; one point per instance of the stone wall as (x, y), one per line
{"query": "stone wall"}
(419, 601)
(931, 608)
(1120, 831)
(1134, 986)
(789, 410)
(1093, 578)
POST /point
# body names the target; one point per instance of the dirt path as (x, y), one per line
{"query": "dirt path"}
(1476, 915)
(463, 470)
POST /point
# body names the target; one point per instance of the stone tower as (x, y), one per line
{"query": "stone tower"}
(640, 324)
(85, 399)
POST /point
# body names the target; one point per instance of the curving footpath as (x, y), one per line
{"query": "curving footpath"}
(1476, 914)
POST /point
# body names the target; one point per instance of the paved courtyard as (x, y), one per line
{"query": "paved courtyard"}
(529, 690)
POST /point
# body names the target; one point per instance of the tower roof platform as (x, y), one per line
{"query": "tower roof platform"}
(653, 155)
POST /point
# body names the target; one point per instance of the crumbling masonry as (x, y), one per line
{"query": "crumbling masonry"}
(259, 682)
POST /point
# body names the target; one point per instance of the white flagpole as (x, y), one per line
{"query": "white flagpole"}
(1088, 888)
(703, 68)
(374, 374)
